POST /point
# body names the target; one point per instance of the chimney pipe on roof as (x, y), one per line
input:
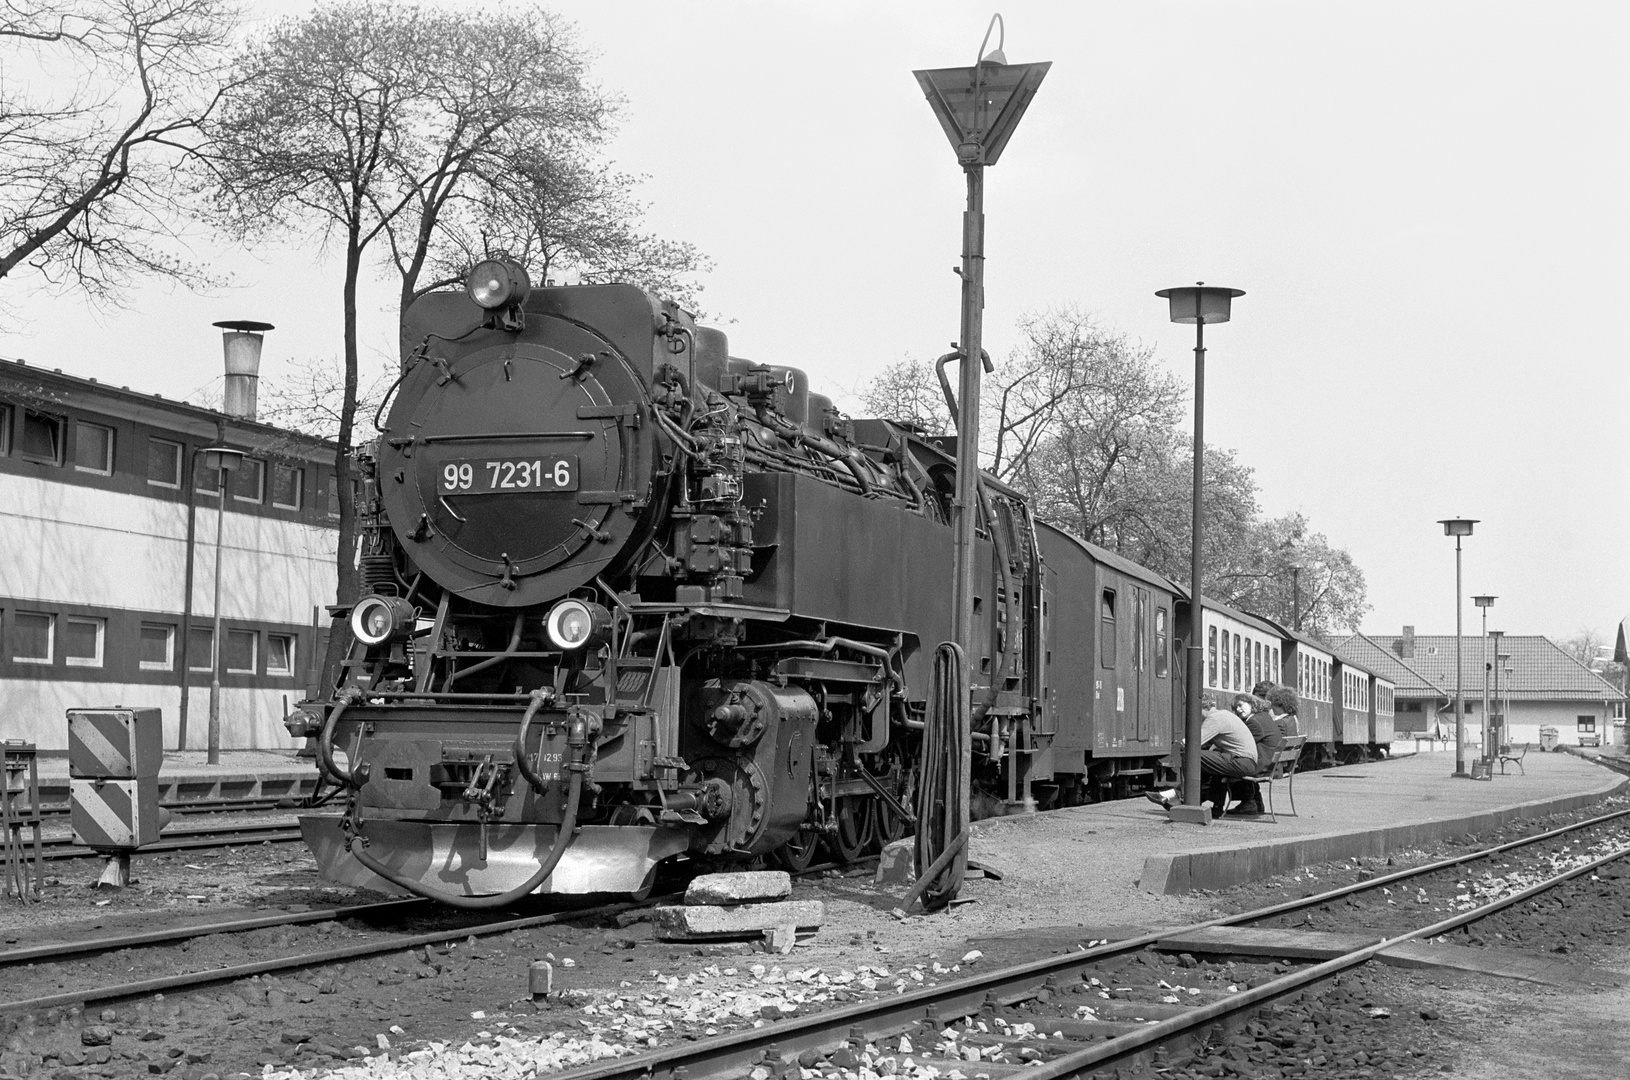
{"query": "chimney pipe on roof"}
(1406, 644)
(242, 342)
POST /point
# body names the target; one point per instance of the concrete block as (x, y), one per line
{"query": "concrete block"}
(685, 923)
(744, 887)
(897, 863)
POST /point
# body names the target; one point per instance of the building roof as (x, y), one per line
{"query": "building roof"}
(1408, 682)
(1538, 668)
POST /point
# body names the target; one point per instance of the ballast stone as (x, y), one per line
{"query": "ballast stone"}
(741, 887)
(685, 923)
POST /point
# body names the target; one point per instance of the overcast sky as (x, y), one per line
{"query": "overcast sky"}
(1425, 203)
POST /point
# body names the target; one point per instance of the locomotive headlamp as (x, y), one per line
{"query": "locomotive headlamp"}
(377, 619)
(497, 283)
(573, 624)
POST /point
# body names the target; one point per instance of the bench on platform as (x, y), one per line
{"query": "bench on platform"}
(1283, 767)
(1515, 756)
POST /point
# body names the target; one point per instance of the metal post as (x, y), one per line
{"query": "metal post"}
(967, 458)
(1296, 598)
(1196, 668)
(1487, 753)
(190, 478)
(1460, 725)
(216, 651)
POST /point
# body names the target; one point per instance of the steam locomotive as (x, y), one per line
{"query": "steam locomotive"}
(626, 597)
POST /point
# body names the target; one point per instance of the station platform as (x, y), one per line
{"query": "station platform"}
(1356, 810)
(186, 777)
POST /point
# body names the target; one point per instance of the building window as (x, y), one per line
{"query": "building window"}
(5, 430)
(288, 483)
(41, 438)
(163, 463)
(1587, 725)
(157, 646)
(279, 654)
(82, 641)
(33, 634)
(1162, 644)
(204, 480)
(93, 448)
(240, 651)
(201, 649)
(249, 482)
(1106, 629)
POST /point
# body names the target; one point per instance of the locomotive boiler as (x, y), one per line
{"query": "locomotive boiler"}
(626, 597)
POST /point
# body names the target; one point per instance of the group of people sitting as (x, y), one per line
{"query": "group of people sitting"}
(1238, 744)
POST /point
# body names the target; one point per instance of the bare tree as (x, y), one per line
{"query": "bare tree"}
(99, 106)
(906, 390)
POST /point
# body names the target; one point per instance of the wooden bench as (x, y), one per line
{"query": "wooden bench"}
(1513, 756)
(1283, 767)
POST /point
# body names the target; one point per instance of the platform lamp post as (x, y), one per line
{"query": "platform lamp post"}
(224, 461)
(1198, 304)
(1457, 528)
(1500, 660)
(1484, 603)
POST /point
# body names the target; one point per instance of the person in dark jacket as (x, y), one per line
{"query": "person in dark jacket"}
(1268, 736)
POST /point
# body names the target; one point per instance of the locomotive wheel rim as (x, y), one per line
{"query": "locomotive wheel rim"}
(901, 776)
(856, 827)
(798, 854)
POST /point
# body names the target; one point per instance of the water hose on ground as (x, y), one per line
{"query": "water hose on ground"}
(944, 795)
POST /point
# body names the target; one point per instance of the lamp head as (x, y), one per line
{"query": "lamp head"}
(1457, 526)
(1200, 303)
(217, 458)
(1484, 601)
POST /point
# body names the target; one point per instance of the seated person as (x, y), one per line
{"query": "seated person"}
(1268, 736)
(1227, 752)
(1283, 705)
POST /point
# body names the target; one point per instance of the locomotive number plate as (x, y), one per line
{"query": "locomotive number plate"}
(487, 476)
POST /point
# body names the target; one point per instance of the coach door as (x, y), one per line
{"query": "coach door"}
(1141, 693)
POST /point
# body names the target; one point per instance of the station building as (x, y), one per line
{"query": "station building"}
(1540, 686)
(107, 512)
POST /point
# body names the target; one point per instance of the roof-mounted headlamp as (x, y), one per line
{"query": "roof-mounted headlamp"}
(498, 284)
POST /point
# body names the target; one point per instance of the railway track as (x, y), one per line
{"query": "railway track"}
(1009, 1019)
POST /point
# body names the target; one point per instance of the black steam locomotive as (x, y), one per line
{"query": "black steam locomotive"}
(627, 597)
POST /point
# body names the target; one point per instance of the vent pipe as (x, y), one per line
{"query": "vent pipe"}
(242, 341)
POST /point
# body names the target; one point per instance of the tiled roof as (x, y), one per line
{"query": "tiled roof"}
(1538, 668)
(1365, 650)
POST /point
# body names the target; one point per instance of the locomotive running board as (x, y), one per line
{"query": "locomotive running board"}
(601, 858)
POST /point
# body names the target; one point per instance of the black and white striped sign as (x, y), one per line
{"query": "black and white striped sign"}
(114, 813)
(121, 744)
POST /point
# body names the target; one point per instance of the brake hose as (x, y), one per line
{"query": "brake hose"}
(325, 742)
(943, 796)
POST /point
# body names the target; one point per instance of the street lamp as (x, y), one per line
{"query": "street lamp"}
(1458, 527)
(1198, 304)
(1486, 602)
(223, 461)
(1501, 660)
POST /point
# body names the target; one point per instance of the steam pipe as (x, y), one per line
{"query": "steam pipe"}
(509, 651)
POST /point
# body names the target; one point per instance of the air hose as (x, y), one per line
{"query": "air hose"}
(944, 795)
(568, 828)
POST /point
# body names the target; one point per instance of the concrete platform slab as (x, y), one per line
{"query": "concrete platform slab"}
(1357, 810)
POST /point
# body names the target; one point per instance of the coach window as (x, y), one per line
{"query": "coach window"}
(1162, 643)
(40, 438)
(279, 654)
(1238, 648)
(93, 449)
(240, 651)
(249, 482)
(82, 640)
(287, 484)
(1273, 671)
(163, 463)
(201, 649)
(1256, 664)
(157, 646)
(1106, 630)
(33, 633)
(1211, 656)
